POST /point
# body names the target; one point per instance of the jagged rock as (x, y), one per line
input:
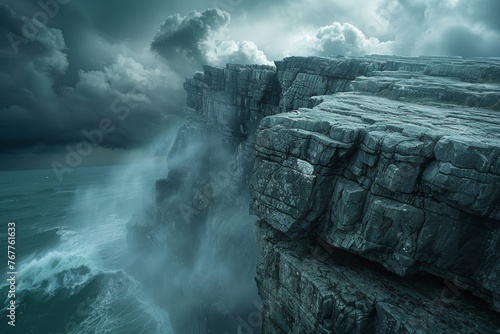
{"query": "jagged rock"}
(234, 100)
(395, 159)
(300, 78)
(310, 289)
(403, 188)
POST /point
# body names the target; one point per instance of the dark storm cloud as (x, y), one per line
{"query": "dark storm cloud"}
(87, 47)
(66, 77)
(181, 39)
(93, 28)
(133, 91)
(28, 67)
(459, 40)
(487, 11)
(466, 42)
(448, 27)
(480, 12)
(189, 42)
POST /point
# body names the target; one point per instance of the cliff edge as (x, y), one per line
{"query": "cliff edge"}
(376, 182)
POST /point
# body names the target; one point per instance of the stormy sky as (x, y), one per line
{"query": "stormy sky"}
(110, 72)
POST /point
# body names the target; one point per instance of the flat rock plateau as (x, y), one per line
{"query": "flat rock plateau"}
(375, 180)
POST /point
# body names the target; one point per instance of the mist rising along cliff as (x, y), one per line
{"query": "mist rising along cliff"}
(373, 186)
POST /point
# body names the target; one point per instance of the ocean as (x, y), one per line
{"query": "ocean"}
(71, 254)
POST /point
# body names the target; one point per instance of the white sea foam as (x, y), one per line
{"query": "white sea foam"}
(92, 252)
(56, 270)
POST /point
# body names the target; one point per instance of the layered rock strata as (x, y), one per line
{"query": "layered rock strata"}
(390, 162)
(308, 287)
(415, 188)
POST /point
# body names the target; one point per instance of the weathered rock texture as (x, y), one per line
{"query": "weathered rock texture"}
(414, 187)
(309, 289)
(390, 163)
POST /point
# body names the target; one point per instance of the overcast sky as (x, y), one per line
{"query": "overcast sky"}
(67, 65)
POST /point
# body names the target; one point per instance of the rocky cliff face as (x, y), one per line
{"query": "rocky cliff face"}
(376, 181)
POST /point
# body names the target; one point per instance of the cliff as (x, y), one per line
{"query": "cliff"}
(376, 182)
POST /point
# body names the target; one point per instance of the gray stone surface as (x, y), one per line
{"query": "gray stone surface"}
(413, 187)
(310, 289)
(394, 159)
(417, 87)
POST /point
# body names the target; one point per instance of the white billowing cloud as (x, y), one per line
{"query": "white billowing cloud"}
(188, 42)
(238, 52)
(346, 39)
(93, 81)
(409, 28)
(285, 25)
(185, 35)
(401, 27)
(55, 59)
(340, 39)
(127, 72)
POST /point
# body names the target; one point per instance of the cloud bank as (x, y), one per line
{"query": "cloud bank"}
(63, 75)
(358, 27)
(340, 39)
(193, 40)
(448, 27)
(39, 111)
